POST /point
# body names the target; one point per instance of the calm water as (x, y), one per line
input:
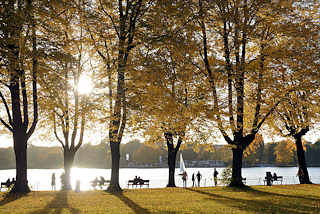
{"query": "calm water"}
(40, 179)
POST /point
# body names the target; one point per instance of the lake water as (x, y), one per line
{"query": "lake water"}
(40, 179)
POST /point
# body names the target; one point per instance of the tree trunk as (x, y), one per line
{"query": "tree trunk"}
(172, 167)
(68, 162)
(302, 161)
(115, 158)
(20, 150)
(19, 140)
(236, 179)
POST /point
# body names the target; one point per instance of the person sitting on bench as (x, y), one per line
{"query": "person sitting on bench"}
(102, 181)
(94, 183)
(269, 178)
(135, 180)
(8, 182)
(140, 181)
(275, 177)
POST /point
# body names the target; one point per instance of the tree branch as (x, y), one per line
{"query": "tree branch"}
(34, 80)
(6, 125)
(7, 108)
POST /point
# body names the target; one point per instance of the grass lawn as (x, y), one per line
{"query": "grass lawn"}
(257, 199)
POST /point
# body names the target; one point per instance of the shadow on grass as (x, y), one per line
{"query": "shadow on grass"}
(10, 197)
(256, 192)
(267, 205)
(57, 205)
(135, 207)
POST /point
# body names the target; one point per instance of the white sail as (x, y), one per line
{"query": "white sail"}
(182, 166)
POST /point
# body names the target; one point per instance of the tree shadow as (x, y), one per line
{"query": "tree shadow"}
(260, 206)
(59, 203)
(9, 197)
(134, 206)
(256, 192)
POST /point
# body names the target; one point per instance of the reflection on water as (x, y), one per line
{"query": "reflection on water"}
(40, 179)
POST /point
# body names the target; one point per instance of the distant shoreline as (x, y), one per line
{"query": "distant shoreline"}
(148, 167)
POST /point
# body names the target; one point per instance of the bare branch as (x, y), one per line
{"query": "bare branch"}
(34, 80)
(55, 131)
(24, 99)
(7, 108)
(6, 125)
(255, 130)
(113, 23)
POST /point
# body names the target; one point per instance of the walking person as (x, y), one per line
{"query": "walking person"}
(193, 179)
(215, 177)
(199, 176)
(53, 181)
(184, 178)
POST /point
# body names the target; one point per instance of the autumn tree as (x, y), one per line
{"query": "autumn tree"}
(294, 119)
(113, 27)
(165, 93)
(284, 152)
(65, 104)
(166, 105)
(299, 112)
(19, 68)
(239, 40)
(254, 152)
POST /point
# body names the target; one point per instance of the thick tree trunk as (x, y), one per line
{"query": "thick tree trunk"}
(115, 156)
(236, 179)
(19, 140)
(302, 161)
(172, 167)
(68, 162)
(20, 150)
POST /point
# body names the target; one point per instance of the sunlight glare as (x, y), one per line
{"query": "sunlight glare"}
(85, 85)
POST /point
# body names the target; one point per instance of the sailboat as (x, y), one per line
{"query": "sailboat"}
(182, 165)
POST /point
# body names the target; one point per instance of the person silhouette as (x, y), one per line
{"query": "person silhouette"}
(94, 183)
(275, 177)
(193, 179)
(199, 176)
(8, 182)
(184, 178)
(101, 181)
(77, 186)
(215, 176)
(53, 181)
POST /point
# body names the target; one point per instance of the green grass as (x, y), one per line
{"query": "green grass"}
(257, 199)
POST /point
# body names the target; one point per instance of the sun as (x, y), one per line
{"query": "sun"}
(85, 85)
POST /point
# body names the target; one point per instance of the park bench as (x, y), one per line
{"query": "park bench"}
(269, 179)
(138, 183)
(277, 179)
(99, 182)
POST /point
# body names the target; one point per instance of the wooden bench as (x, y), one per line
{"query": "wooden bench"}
(278, 179)
(101, 184)
(138, 183)
(273, 179)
